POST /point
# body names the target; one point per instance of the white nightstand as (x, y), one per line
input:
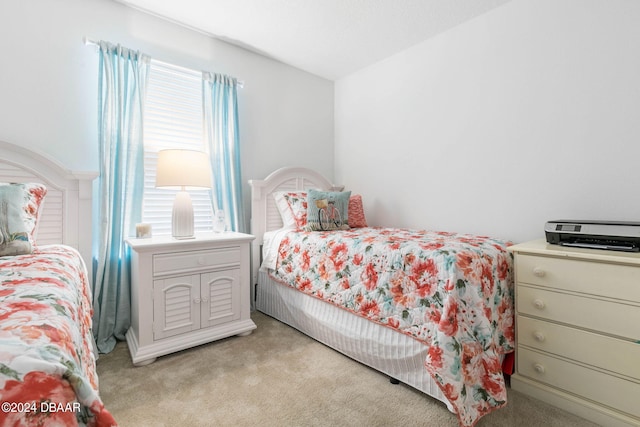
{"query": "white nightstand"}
(187, 292)
(578, 330)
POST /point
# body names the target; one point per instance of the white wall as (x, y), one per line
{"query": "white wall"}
(528, 113)
(49, 80)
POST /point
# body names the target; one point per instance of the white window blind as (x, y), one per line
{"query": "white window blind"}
(172, 119)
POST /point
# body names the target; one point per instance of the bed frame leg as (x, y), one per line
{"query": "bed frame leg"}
(394, 381)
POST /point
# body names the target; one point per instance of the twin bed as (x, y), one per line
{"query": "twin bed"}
(433, 310)
(47, 353)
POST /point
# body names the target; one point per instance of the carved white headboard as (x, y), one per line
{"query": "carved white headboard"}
(264, 212)
(66, 213)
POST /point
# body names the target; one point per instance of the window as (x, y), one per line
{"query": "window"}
(172, 119)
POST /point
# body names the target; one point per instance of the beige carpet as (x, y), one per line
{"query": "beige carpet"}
(279, 377)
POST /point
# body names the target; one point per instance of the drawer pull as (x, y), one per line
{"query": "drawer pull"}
(539, 336)
(202, 261)
(538, 368)
(539, 304)
(537, 271)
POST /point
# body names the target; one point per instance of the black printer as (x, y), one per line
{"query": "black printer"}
(609, 235)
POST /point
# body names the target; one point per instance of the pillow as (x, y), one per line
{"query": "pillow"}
(356, 212)
(19, 206)
(292, 206)
(331, 203)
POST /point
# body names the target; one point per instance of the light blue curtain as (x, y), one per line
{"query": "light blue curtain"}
(223, 144)
(123, 82)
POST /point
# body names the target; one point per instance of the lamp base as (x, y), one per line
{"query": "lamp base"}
(182, 217)
(184, 238)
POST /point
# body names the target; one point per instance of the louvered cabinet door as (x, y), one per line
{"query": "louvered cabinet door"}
(176, 306)
(220, 295)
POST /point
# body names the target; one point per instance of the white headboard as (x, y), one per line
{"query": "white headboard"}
(264, 212)
(66, 213)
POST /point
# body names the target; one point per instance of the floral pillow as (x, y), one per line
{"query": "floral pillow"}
(292, 206)
(327, 210)
(19, 207)
(356, 212)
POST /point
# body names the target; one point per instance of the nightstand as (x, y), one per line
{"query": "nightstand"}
(578, 330)
(187, 292)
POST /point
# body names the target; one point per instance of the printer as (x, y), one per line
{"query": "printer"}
(609, 235)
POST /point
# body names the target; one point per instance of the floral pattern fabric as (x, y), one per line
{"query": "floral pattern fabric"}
(47, 365)
(292, 207)
(453, 292)
(19, 207)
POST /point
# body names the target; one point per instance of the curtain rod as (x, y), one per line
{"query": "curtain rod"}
(88, 42)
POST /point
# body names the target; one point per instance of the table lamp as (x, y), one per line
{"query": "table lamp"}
(183, 169)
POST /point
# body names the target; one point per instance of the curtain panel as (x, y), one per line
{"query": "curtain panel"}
(123, 78)
(223, 144)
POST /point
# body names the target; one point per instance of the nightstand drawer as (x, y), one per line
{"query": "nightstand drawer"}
(595, 278)
(606, 389)
(181, 262)
(599, 315)
(605, 352)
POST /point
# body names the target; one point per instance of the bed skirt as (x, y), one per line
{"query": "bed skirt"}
(383, 349)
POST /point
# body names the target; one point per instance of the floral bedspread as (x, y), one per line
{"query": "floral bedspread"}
(47, 366)
(451, 291)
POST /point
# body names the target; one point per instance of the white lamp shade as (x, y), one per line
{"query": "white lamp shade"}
(183, 168)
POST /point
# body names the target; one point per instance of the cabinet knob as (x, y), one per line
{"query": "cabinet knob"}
(538, 368)
(205, 299)
(202, 261)
(196, 300)
(538, 303)
(538, 272)
(539, 336)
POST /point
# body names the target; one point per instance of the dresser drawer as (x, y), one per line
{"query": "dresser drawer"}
(606, 389)
(596, 278)
(599, 315)
(181, 262)
(605, 352)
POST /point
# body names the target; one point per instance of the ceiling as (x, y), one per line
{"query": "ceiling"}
(329, 38)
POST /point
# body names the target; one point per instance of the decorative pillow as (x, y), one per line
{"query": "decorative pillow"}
(356, 212)
(292, 206)
(19, 205)
(327, 210)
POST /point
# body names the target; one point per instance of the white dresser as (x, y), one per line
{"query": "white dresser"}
(187, 292)
(578, 330)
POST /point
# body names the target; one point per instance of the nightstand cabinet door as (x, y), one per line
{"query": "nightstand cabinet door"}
(176, 306)
(220, 295)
